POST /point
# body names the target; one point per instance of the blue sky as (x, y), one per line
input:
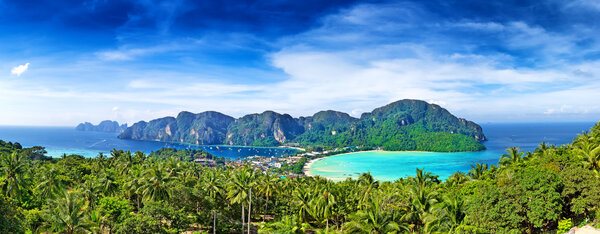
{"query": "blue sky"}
(65, 62)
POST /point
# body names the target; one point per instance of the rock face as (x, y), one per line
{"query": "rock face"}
(401, 125)
(206, 128)
(104, 126)
(266, 129)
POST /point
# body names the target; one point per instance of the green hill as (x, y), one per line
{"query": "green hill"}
(401, 125)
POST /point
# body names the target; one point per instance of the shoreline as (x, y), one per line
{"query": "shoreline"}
(306, 168)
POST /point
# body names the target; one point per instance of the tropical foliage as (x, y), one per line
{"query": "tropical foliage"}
(552, 188)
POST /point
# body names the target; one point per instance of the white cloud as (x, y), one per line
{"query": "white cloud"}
(18, 70)
(352, 63)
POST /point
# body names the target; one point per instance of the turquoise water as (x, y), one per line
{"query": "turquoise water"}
(389, 166)
(59, 140)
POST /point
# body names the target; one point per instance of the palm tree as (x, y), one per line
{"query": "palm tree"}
(156, 184)
(132, 186)
(322, 204)
(239, 188)
(268, 185)
(50, 184)
(67, 215)
(513, 156)
(456, 179)
(288, 224)
(301, 200)
(90, 191)
(107, 182)
(589, 152)
(368, 184)
(478, 171)
(542, 149)
(374, 218)
(13, 168)
(423, 178)
(100, 162)
(454, 212)
(139, 157)
(422, 200)
(211, 184)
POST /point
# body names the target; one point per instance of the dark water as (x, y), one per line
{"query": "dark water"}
(59, 140)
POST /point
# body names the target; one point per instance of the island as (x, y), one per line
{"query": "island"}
(104, 126)
(403, 125)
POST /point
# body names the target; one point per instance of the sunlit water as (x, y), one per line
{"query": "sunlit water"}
(389, 166)
(59, 140)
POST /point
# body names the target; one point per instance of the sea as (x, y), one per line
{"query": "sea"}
(390, 166)
(67, 140)
(385, 166)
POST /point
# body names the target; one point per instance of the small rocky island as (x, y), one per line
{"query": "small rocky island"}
(104, 126)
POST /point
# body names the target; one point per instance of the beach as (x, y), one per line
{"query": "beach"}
(306, 168)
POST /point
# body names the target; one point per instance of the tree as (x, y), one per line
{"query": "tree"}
(138, 223)
(288, 224)
(156, 187)
(478, 171)
(422, 199)
(540, 196)
(67, 215)
(239, 189)
(453, 213)
(374, 218)
(368, 184)
(589, 152)
(267, 187)
(50, 182)
(513, 156)
(13, 167)
(10, 216)
(108, 182)
(175, 219)
(580, 191)
(456, 179)
(114, 211)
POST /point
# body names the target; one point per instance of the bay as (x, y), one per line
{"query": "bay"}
(389, 166)
(67, 140)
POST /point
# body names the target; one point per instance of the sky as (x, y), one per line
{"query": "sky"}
(65, 62)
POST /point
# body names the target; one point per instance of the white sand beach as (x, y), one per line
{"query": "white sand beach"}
(307, 166)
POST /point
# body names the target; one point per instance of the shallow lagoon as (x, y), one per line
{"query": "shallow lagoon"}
(389, 166)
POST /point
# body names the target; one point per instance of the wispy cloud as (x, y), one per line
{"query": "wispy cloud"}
(18, 70)
(497, 67)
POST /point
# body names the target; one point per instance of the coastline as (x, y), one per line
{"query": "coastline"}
(306, 168)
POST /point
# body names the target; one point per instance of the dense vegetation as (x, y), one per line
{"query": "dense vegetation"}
(402, 125)
(183, 154)
(551, 188)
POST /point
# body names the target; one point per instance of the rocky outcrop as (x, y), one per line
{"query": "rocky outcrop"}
(268, 128)
(207, 128)
(396, 126)
(104, 126)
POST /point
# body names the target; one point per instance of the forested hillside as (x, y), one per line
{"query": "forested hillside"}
(552, 188)
(402, 125)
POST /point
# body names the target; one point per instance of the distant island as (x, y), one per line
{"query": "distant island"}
(401, 125)
(104, 126)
